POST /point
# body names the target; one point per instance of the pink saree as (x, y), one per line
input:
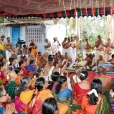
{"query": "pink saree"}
(20, 106)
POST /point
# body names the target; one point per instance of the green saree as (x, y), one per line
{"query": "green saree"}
(104, 106)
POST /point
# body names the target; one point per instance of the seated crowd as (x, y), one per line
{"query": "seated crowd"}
(39, 85)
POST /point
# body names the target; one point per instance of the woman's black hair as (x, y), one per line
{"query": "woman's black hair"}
(23, 85)
(97, 85)
(1, 64)
(1, 91)
(31, 62)
(38, 72)
(21, 62)
(55, 76)
(11, 60)
(17, 70)
(49, 106)
(112, 87)
(83, 75)
(39, 84)
(61, 80)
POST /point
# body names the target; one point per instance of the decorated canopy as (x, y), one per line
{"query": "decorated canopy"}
(55, 8)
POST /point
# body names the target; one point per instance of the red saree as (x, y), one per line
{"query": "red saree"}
(78, 93)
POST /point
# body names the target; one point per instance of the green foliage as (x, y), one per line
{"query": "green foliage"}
(91, 27)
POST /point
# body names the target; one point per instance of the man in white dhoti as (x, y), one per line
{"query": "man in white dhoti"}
(8, 47)
(69, 47)
(64, 50)
(47, 46)
(108, 49)
(55, 46)
(99, 45)
(73, 45)
(80, 48)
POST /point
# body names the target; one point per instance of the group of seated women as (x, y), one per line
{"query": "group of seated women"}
(55, 98)
(25, 91)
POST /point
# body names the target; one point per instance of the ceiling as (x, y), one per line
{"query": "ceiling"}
(25, 7)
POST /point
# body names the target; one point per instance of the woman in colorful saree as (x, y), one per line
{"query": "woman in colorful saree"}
(80, 89)
(11, 86)
(23, 95)
(94, 102)
(2, 76)
(10, 108)
(62, 93)
(42, 93)
(110, 94)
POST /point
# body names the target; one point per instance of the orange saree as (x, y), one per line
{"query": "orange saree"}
(35, 106)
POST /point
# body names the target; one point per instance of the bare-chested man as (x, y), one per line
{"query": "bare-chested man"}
(106, 81)
(88, 47)
(25, 50)
(47, 46)
(64, 46)
(48, 67)
(91, 64)
(108, 49)
(67, 58)
(8, 47)
(80, 48)
(43, 60)
(68, 47)
(99, 44)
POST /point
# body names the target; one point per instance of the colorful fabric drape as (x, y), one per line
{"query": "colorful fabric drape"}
(20, 106)
(35, 106)
(104, 106)
(70, 13)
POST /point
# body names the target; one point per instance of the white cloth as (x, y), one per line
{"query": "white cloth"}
(69, 51)
(46, 78)
(55, 47)
(64, 51)
(50, 72)
(8, 55)
(73, 55)
(48, 50)
(76, 79)
(97, 53)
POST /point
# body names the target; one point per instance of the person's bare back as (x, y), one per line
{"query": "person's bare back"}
(46, 69)
(106, 81)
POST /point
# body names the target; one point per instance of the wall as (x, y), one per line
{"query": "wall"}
(55, 30)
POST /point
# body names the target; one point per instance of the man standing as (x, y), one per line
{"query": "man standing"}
(47, 46)
(88, 47)
(55, 46)
(73, 45)
(99, 44)
(69, 47)
(64, 46)
(80, 48)
(8, 47)
(32, 43)
(108, 49)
